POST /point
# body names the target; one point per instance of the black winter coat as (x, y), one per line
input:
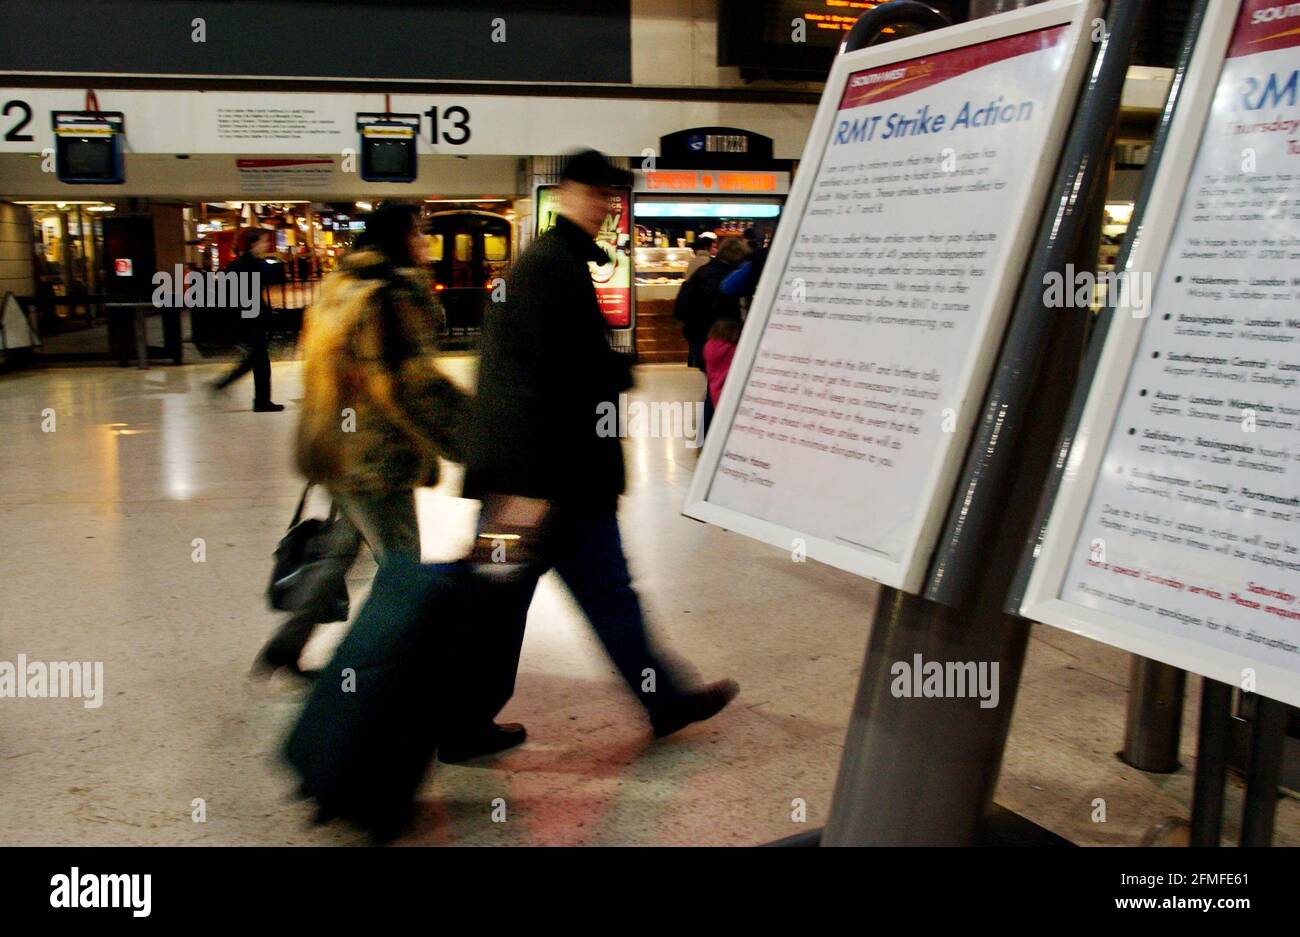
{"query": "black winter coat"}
(546, 368)
(700, 302)
(251, 328)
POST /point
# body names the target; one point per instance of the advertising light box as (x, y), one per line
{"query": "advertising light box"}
(870, 340)
(613, 280)
(1175, 533)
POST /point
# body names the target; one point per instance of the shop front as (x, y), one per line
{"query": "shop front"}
(67, 245)
(469, 244)
(89, 257)
(715, 180)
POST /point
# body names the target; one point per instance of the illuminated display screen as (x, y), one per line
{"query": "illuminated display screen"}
(702, 209)
(759, 35)
(795, 36)
(830, 20)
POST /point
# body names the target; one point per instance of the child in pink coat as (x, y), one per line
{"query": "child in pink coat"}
(719, 349)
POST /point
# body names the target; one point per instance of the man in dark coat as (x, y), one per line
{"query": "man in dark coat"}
(536, 431)
(253, 245)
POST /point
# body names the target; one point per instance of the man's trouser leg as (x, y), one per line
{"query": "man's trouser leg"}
(494, 641)
(587, 552)
(260, 361)
(239, 370)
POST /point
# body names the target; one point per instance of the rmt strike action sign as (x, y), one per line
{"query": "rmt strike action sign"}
(875, 327)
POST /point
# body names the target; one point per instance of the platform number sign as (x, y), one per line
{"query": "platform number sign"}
(453, 124)
(24, 114)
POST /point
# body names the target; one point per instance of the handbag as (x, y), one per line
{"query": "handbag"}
(511, 535)
(305, 574)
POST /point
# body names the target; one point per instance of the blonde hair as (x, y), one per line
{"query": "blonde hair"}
(732, 250)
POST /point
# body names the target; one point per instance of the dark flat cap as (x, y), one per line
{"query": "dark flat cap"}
(592, 168)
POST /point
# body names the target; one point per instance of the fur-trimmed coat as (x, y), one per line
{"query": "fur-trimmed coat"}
(377, 412)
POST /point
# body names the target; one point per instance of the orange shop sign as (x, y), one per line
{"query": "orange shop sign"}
(707, 182)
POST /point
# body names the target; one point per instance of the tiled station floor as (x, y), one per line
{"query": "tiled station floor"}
(98, 523)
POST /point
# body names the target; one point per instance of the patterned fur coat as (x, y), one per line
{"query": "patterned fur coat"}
(377, 411)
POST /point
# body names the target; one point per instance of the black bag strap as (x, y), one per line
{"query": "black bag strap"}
(302, 502)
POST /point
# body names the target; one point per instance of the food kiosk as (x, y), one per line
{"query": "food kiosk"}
(712, 179)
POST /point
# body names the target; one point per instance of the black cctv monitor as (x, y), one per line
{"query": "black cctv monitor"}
(388, 161)
(389, 147)
(88, 147)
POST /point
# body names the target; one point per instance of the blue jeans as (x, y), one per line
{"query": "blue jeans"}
(583, 545)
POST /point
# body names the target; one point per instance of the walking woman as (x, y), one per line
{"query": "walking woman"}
(377, 413)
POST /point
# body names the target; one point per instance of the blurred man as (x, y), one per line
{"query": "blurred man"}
(253, 245)
(546, 368)
(706, 247)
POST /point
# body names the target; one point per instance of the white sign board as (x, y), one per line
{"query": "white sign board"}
(861, 370)
(1176, 531)
(298, 123)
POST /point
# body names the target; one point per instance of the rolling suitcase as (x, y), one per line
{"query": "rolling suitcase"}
(369, 729)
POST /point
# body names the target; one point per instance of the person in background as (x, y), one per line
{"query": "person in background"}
(700, 301)
(743, 281)
(719, 350)
(546, 371)
(706, 245)
(252, 246)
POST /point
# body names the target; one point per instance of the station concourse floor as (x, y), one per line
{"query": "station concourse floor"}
(98, 522)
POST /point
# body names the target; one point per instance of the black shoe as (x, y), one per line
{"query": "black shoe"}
(497, 739)
(267, 407)
(695, 706)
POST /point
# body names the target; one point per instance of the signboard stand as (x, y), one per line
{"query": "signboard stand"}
(1211, 763)
(924, 773)
(1213, 594)
(1153, 724)
(1268, 729)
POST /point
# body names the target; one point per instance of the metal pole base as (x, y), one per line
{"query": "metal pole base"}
(920, 770)
(1155, 716)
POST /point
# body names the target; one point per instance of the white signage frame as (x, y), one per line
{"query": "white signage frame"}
(1042, 602)
(188, 122)
(1081, 17)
